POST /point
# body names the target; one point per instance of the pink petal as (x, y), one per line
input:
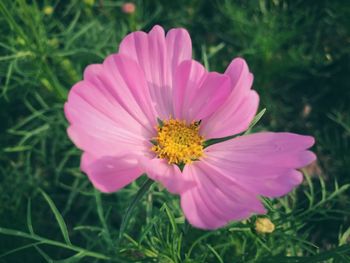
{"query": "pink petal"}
(109, 174)
(235, 115)
(99, 125)
(234, 173)
(262, 163)
(179, 47)
(168, 175)
(213, 203)
(197, 93)
(126, 82)
(112, 120)
(121, 81)
(158, 56)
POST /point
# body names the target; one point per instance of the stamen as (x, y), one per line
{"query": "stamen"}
(178, 142)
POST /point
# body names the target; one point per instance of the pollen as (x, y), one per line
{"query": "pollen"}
(178, 142)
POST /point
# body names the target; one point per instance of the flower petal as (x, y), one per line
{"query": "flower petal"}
(168, 175)
(125, 80)
(197, 93)
(158, 56)
(234, 173)
(235, 115)
(178, 53)
(213, 203)
(109, 174)
(98, 123)
(262, 163)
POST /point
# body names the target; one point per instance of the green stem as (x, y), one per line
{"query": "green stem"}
(40, 239)
(141, 192)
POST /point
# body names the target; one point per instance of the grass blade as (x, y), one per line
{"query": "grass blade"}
(141, 192)
(58, 217)
(29, 217)
(42, 240)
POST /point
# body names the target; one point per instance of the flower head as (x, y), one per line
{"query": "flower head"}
(48, 10)
(264, 225)
(150, 108)
(178, 142)
(128, 8)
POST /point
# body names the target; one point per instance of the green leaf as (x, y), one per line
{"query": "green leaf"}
(44, 255)
(29, 217)
(256, 120)
(19, 249)
(170, 216)
(42, 240)
(216, 254)
(58, 217)
(141, 192)
(160, 123)
(102, 218)
(253, 123)
(344, 237)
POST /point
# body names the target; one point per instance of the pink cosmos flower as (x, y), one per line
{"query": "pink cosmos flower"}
(150, 108)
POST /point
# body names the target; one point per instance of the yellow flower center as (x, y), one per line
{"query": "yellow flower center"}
(178, 142)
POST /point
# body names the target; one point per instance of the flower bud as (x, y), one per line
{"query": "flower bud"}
(128, 8)
(264, 225)
(48, 10)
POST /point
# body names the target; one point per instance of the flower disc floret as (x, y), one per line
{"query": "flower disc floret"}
(178, 142)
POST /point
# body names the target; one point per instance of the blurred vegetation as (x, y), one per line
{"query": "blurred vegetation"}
(299, 52)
